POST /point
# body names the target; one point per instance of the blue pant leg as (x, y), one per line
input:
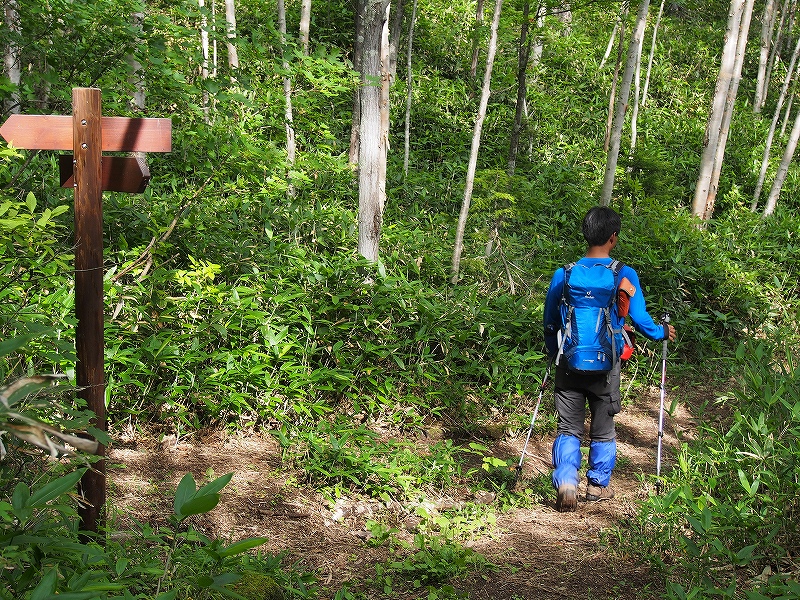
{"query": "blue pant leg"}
(566, 460)
(602, 458)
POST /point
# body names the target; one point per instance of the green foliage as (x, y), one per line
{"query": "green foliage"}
(733, 498)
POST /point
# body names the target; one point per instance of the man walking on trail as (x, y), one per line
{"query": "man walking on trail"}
(596, 379)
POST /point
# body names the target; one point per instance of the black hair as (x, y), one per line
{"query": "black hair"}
(599, 224)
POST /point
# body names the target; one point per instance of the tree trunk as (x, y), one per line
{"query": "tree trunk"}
(767, 31)
(730, 105)
(360, 8)
(204, 47)
(476, 47)
(372, 137)
(230, 21)
(773, 126)
(622, 103)
(637, 78)
(476, 141)
(394, 36)
(610, 43)
(305, 25)
(12, 55)
(652, 54)
(409, 88)
(783, 169)
(524, 53)
(787, 112)
(612, 97)
(137, 72)
(291, 145)
(700, 205)
(776, 47)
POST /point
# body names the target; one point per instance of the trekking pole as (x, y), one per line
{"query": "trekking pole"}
(661, 408)
(518, 470)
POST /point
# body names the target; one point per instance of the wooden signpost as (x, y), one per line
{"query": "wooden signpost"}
(87, 133)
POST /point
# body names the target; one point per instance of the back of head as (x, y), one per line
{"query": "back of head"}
(599, 224)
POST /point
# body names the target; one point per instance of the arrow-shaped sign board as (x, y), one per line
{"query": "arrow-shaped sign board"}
(119, 173)
(119, 134)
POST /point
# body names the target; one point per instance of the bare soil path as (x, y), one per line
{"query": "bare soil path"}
(539, 552)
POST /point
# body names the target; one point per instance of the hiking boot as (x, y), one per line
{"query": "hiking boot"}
(596, 492)
(567, 500)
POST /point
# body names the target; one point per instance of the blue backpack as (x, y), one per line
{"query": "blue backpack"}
(588, 341)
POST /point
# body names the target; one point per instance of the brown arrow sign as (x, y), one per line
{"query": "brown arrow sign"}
(119, 134)
(119, 173)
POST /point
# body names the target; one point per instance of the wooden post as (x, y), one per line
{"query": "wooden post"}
(87, 148)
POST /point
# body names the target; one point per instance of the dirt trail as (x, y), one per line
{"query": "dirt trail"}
(540, 553)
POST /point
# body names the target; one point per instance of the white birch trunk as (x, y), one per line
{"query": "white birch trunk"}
(214, 56)
(305, 25)
(774, 125)
(776, 47)
(612, 97)
(783, 168)
(786, 114)
(524, 53)
(230, 21)
(204, 49)
(409, 88)
(610, 44)
(137, 72)
(767, 30)
(637, 78)
(730, 105)
(12, 55)
(291, 145)
(652, 54)
(476, 142)
(476, 47)
(622, 103)
(372, 139)
(711, 141)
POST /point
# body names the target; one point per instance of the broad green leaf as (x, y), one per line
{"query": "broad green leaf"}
(47, 586)
(215, 486)
(55, 488)
(185, 491)
(198, 505)
(242, 546)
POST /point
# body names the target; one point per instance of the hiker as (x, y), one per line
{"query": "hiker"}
(586, 373)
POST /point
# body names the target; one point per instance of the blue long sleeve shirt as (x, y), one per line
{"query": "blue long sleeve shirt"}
(638, 314)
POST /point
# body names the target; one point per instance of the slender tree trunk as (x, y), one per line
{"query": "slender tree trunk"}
(360, 8)
(700, 205)
(783, 168)
(476, 142)
(476, 46)
(372, 144)
(773, 126)
(409, 88)
(394, 36)
(787, 113)
(767, 30)
(524, 53)
(204, 48)
(291, 145)
(652, 54)
(12, 55)
(776, 48)
(612, 97)
(214, 55)
(136, 77)
(305, 25)
(230, 20)
(637, 78)
(622, 103)
(730, 105)
(610, 43)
